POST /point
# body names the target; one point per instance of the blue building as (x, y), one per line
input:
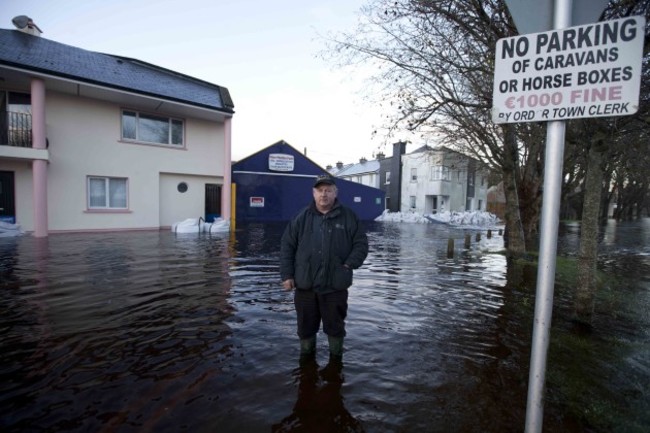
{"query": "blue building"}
(276, 182)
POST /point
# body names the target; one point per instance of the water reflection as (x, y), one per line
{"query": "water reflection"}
(319, 407)
(156, 332)
(104, 332)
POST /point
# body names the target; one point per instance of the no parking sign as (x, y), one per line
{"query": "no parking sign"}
(592, 70)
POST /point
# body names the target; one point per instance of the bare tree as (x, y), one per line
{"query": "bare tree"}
(613, 149)
(433, 63)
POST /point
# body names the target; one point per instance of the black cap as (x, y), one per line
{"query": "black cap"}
(324, 178)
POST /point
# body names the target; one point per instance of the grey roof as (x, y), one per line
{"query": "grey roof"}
(425, 148)
(359, 168)
(334, 171)
(35, 53)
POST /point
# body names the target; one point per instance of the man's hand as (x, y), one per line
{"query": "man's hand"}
(288, 284)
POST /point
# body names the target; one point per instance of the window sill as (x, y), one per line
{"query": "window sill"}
(111, 211)
(146, 143)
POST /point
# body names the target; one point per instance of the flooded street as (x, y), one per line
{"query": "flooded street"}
(157, 332)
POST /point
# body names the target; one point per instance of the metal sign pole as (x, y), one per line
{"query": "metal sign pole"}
(553, 163)
(545, 275)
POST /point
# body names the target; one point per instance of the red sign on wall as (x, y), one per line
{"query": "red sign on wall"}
(256, 201)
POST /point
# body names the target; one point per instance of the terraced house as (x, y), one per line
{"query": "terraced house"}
(92, 141)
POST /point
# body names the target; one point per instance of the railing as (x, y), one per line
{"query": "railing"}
(15, 129)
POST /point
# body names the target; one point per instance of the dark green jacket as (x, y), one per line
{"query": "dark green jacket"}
(315, 248)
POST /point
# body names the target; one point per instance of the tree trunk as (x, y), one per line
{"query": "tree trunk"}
(586, 283)
(514, 233)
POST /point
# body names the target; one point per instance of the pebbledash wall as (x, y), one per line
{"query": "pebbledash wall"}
(275, 183)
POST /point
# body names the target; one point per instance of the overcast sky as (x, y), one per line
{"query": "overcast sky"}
(264, 52)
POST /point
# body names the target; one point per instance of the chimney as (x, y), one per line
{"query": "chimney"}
(380, 156)
(328, 167)
(395, 187)
(26, 24)
(339, 165)
(363, 160)
(399, 148)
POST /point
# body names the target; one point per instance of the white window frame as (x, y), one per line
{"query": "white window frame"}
(439, 172)
(388, 178)
(412, 202)
(171, 122)
(107, 205)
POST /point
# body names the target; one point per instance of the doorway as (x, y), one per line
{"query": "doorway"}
(7, 195)
(212, 202)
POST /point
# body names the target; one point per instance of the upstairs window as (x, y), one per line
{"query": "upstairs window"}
(149, 128)
(439, 172)
(388, 177)
(414, 175)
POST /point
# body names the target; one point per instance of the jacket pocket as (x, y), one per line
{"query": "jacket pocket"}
(302, 278)
(341, 277)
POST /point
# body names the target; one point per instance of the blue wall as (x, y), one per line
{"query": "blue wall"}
(286, 193)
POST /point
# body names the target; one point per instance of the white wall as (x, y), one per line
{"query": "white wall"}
(176, 206)
(84, 140)
(368, 179)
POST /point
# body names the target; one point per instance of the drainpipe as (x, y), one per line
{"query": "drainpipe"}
(39, 166)
(227, 170)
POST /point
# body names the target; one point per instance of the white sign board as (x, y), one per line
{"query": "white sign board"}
(586, 71)
(280, 162)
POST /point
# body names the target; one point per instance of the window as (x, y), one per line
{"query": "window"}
(414, 175)
(412, 202)
(387, 177)
(151, 129)
(107, 193)
(439, 172)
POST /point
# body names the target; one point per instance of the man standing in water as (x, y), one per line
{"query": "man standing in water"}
(319, 249)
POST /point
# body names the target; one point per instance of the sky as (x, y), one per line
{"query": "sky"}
(265, 52)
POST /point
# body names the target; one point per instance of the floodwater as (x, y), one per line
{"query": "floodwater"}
(157, 332)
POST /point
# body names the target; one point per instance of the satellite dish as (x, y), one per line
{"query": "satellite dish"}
(21, 21)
